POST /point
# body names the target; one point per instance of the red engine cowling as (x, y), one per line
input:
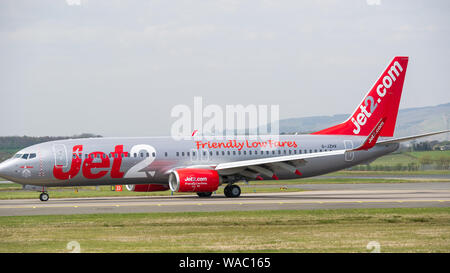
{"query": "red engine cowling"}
(147, 187)
(194, 180)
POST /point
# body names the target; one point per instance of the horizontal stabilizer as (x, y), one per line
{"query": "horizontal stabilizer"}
(402, 139)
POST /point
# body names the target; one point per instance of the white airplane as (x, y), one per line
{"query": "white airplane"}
(200, 165)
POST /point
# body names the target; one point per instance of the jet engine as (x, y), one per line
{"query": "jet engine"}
(147, 187)
(194, 180)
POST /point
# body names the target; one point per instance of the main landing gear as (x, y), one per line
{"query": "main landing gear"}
(229, 191)
(232, 191)
(44, 196)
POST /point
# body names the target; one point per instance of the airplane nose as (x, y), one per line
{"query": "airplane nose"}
(3, 170)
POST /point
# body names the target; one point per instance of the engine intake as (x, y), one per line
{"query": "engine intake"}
(194, 180)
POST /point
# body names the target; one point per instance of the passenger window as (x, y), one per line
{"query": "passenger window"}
(234, 152)
(153, 154)
(178, 154)
(228, 152)
(182, 153)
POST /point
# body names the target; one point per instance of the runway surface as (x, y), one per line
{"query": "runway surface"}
(319, 196)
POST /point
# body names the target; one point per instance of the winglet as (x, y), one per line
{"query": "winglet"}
(371, 140)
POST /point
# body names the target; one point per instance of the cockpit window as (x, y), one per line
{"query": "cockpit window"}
(18, 156)
(25, 156)
(32, 156)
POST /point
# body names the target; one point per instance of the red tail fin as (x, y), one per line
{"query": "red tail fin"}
(381, 102)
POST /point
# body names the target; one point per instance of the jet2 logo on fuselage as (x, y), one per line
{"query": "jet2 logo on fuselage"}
(89, 168)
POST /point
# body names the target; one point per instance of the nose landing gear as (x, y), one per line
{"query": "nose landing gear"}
(44, 196)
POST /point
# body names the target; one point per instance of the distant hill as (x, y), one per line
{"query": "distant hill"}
(410, 121)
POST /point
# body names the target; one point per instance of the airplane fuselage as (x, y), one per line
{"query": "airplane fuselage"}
(110, 161)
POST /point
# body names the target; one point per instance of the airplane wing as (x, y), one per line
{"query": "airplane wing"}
(268, 160)
(253, 167)
(402, 139)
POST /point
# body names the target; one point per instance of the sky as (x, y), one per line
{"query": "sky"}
(118, 68)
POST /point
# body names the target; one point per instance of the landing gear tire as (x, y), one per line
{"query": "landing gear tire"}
(232, 191)
(204, 194)
(44, 197)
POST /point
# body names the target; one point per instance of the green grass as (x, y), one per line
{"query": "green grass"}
(400, 173)
(432, 154)
(394, 159)
(406, 158)
(345, 230)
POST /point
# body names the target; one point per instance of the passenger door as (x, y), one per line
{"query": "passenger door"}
(60, 153)
(349, 156)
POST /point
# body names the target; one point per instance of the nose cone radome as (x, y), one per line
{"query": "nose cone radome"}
(4, 170)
